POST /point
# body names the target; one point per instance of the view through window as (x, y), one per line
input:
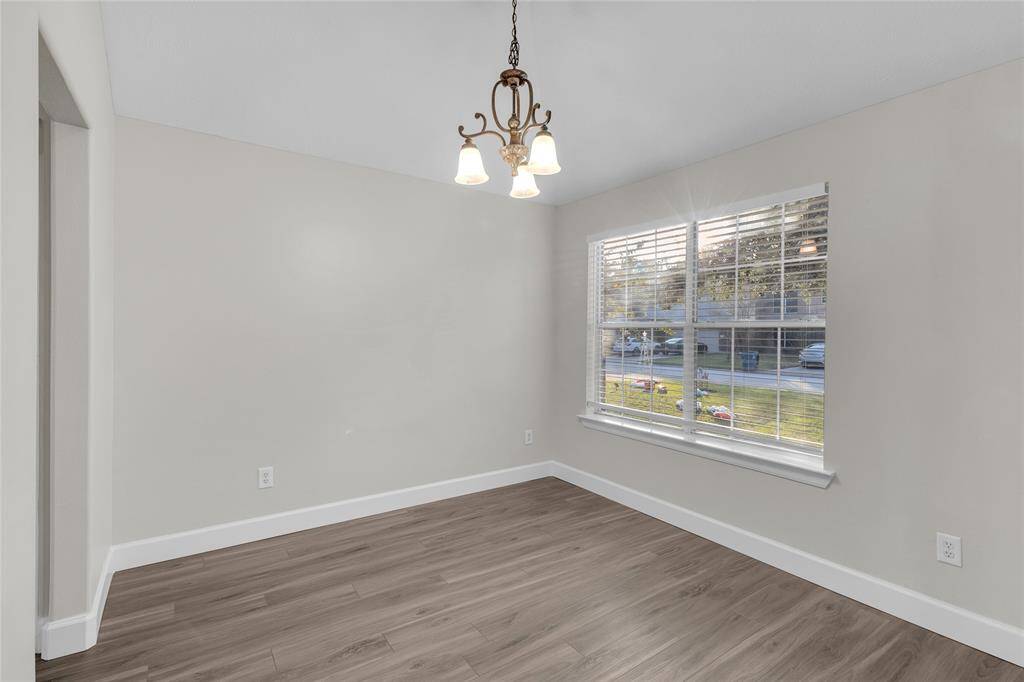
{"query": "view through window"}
(716, 326)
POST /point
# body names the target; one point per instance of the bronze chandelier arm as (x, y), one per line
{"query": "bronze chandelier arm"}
(494, 108)
(533, 119)
(483, 130)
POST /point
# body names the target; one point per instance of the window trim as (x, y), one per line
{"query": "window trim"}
(781, 462)
(791, 462)
(815, 190)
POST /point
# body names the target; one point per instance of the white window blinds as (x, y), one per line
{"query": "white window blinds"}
(716, 326)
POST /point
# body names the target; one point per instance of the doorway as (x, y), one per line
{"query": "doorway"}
(62, 530)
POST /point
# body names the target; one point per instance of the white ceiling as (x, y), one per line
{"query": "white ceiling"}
(636, 89)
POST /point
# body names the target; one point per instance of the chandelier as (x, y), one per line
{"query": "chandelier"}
(542, 157)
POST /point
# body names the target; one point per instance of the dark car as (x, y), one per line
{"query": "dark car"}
(675, 346)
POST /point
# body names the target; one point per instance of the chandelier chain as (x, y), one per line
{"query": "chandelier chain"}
(513, 48)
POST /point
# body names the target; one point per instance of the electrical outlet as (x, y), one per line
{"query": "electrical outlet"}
(528, 437)
(947, 549)
(265, 478)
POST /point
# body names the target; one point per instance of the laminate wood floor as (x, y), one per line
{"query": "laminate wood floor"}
(539, 581)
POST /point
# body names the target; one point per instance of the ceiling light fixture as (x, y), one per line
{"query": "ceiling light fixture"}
(543, 160)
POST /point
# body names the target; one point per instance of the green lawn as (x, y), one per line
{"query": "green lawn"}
(802, 414)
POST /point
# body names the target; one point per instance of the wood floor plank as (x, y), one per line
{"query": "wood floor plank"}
(343, 657)
(621, 654)
(241, 666)
(812, 640)
(540, 580)
(423, 636)
(682, 607)
(430, 666)
(695, 648)
(901, 651)
(543, 663)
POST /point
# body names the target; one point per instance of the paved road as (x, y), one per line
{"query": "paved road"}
(792, 379)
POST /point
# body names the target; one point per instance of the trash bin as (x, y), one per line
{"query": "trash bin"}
(749, 360)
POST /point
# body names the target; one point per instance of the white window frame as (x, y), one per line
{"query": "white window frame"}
(805, 465)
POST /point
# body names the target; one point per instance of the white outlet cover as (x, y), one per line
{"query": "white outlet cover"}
(265, 477)
(947, 549)
(528, 437)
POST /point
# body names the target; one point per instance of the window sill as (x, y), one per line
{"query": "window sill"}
(795, 466)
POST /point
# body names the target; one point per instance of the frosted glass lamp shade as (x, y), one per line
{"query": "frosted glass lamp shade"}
(471, 166)
(523, 185)
(543, 158)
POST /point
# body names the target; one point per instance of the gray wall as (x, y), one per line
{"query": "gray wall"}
(357, 330)
(924, 381)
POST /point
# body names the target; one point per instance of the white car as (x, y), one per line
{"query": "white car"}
(813, 356)
(631, 344)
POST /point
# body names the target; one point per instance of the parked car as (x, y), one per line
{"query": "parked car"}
(628, 344)
(631, 344)
(675, 346)
(813, 356)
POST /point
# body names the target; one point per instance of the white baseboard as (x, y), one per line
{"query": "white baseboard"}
(176, 545)
(988, 635)
(999, 639)
(76, 633)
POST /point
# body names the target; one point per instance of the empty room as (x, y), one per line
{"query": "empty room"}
(487, 340)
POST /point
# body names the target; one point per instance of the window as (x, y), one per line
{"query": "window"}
(714, 329)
